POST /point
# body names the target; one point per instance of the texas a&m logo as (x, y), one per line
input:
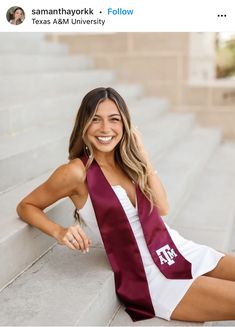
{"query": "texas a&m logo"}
(166, 255)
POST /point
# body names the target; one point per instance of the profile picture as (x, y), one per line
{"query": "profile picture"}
(15, 15)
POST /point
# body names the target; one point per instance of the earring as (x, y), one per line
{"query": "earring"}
(87, 151)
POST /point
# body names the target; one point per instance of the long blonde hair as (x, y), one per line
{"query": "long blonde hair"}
(127, 153)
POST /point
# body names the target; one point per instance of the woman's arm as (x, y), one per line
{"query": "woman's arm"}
(159, 193)
(64, 182)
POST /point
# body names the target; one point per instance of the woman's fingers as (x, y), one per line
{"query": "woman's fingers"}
(86, 241)
(75, 238)
(79, 241)
(68, 243)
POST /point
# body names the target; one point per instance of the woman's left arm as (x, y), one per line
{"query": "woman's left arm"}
(158, 191)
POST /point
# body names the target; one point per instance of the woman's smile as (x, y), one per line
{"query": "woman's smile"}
(105, 139)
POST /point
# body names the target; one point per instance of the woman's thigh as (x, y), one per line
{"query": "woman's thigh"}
(207, 299)
(225, 268)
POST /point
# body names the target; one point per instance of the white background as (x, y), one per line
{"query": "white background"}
(149, 15)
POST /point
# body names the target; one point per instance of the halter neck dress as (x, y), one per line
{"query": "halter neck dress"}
(165, 293)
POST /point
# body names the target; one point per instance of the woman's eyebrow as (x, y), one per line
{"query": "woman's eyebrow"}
(109, 115)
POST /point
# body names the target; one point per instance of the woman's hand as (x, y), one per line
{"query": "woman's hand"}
(74, 238)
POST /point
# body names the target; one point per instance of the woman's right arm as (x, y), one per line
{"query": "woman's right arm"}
(63, 182)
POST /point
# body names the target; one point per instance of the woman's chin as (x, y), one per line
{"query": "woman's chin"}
(104, 148)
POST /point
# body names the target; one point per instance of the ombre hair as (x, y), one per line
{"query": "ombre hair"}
(127, 154)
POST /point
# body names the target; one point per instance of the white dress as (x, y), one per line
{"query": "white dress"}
(165, 293)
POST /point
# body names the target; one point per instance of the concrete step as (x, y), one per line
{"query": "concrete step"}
(31, 243)
(17, 117)
(32, 153)
(209, 214)
(179, 169)
(147, 110)
(19, 87)
(64, 288)
(13, 64)
(161, 133)
(29, 43)
(121, 318)
(129, 92)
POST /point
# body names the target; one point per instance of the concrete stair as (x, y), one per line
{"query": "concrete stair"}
(17, 115)
(50, 84)
(13, 64)
(62, 289)
(211, 206)
(45, 284)
(30, 43)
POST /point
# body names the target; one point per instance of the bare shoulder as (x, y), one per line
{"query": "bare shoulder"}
(77, 170)
(65, 181)
(70, 174)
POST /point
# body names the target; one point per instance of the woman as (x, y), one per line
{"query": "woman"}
(115, 189)
(17, 16)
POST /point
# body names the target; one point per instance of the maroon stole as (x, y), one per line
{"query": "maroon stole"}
(121, 247)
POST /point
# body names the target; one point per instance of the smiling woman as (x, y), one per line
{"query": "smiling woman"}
(15, 15)
(114, 188)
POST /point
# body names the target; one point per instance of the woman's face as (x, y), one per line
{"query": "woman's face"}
(18, 14)
(106, 128)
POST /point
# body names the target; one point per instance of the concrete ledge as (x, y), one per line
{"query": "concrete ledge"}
(183, 164)
(13, 64)
(19, 87)
(29, 43)
(21, 244)
(15, 118)
(32, 162)
(122, 319)
(159, 135)
(64, 288)
(209, 214)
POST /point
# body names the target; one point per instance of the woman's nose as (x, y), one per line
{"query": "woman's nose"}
(105, 126)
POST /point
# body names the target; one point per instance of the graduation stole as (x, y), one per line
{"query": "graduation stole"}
(122, 249)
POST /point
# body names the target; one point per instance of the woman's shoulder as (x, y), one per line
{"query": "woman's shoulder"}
(76, 170)
(69, 175)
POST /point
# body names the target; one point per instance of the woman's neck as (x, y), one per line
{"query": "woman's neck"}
(105, 159)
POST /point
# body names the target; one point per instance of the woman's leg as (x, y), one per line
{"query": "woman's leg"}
(225, 269)
(207, 299)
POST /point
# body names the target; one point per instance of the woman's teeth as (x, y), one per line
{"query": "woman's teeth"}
(104, 139)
